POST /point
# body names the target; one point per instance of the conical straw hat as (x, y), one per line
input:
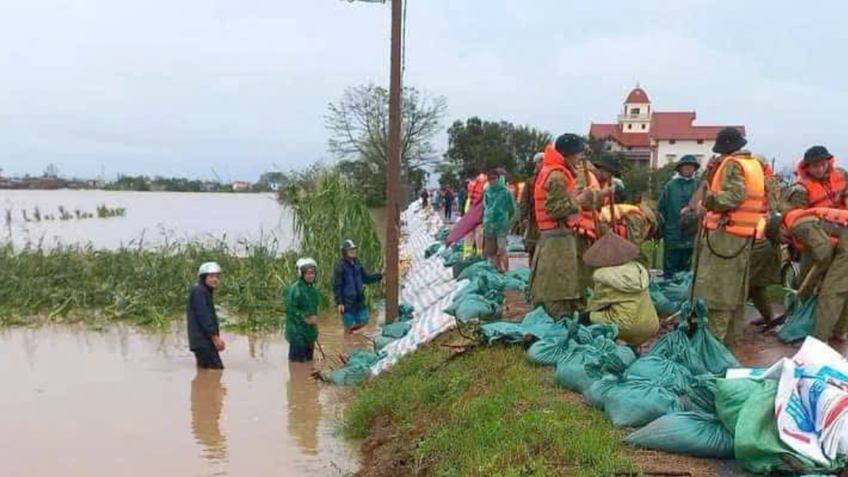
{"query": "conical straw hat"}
(610, 251)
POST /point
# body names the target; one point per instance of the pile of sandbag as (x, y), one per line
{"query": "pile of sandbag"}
(670, 293)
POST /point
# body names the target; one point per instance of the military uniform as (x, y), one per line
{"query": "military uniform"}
(765, 258)
(677, 244)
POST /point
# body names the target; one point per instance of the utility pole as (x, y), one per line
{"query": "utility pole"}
(392, 278)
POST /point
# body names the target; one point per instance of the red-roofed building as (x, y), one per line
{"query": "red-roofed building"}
(656, 138)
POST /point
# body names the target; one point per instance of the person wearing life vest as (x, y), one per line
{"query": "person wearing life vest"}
(560, 200)
(818, 182)
(608, 170)
(633, 223)
(528, 216)
(822, 235)
(733, 217)
(765, 256)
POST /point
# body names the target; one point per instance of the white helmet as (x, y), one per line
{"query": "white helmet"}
(209, 267)
(304, 263)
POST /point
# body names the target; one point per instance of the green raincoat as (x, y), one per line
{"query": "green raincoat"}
(621, 298)
(723, 282)
(675, 197)
(302, 301)
(498, 210)
(558, 251)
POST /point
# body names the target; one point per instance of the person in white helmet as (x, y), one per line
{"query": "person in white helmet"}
(302, 299)
(201, 321)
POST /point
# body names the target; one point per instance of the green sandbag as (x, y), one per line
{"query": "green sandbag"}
(677, 289)
(397, 330)
(687, 433)
(801, 320)
(536, 325)
(476, 307)
(442, 234)
(461, 264)
(432, 250)
(475, 269)
(663, 372)
(663, 305)
(380, 342)
(548, 351)
(405, 312)
(571, 371)
(357, 369)
(596, 393)
(731, 395)
(706, 353)
(625, 354)
(638, 402)
(758, 447)
(517, 279)
(701, 394)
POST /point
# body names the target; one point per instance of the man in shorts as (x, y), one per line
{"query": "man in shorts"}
(349, 280)
(498, 212)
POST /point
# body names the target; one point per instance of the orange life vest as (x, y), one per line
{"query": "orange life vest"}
(624, 210)
(581, 222)
(477, 189)
(747, 220)
(826, 193)
(828, 214)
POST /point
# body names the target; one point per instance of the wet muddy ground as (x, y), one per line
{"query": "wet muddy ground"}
(124, 402)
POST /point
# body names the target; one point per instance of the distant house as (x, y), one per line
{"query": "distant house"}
(240, 186)
(648, 138)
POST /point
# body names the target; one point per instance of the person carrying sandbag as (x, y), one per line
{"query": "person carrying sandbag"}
(621, 294)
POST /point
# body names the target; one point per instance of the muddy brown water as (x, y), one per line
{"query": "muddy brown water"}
(123, 402)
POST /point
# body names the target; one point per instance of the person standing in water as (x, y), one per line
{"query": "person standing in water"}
(302, 312)
(202, 321)
(349, 280)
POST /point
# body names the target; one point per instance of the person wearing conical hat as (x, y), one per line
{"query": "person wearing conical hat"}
(621, 294)
(557, 272)
(733, 212)
(677, 243)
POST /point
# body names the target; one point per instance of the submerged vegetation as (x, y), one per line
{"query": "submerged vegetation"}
(36, 215)
(148, 286)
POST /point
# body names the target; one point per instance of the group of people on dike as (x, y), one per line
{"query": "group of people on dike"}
(730, 224)
(302, 299)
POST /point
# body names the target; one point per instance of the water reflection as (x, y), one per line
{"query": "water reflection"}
(207, 401)
(304, 407)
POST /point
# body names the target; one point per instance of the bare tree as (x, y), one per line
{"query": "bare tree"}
(359, 128)
(51, 171)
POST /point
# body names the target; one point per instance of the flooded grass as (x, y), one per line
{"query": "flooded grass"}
(487, 412)
(144, 286)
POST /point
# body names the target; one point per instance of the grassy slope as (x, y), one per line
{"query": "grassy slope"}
(487, 412)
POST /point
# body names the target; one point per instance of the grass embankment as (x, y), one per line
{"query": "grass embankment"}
(485, 412)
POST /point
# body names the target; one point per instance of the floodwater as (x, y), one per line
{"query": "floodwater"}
(123, 402)
(154, 216)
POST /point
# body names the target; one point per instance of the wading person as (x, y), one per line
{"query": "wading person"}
(302, 300)
(498, 212)
(557, 271)
(349, 280)
(734, 218)
(677, 245)
(201, 320)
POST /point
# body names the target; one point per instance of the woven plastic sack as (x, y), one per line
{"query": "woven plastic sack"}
(596, 394)
(706, 353)
(460, 265)
(405, 313)
(625, 354)
(663, 372)
(397, 330)
(380, 342)
(476, 307)
(571, 371)
(638, 402)
(432, 250)
(357, 369)
(700, 395)
(548, 351)
(801, 320)
(475, 269)
(688, 433)
(663, 305)
(609, 368)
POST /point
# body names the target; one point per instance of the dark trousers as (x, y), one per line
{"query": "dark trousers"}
(448, 212)
(208, 358)
(676, 260)
(301, 353)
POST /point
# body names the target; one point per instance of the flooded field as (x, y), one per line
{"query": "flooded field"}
(124, 402)
(152, 215)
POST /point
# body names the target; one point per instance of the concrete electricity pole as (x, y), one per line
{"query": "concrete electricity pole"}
(392, 278)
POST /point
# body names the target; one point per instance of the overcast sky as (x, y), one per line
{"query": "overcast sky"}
(178, 87)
